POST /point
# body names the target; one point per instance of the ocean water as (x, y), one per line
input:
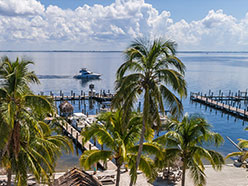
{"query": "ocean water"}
(205, 71)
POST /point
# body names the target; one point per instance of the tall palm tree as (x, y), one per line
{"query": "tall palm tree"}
(119, 136)
(243, 143)
(187, 139)
(21, 116)
(151, 69)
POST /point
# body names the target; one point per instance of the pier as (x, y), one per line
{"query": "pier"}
(100, 97)
(75, 134)
(230, 104)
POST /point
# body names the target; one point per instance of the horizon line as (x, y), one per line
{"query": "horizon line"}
(182, 51)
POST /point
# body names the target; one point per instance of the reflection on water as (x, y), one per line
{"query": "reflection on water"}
(214, 71)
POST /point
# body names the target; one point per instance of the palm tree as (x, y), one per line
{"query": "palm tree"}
(21, 116)
(119, 136)
(151, 68)
(243, 143)
(39, 150)
(187, 140)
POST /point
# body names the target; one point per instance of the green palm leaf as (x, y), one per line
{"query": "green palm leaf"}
(90, 157)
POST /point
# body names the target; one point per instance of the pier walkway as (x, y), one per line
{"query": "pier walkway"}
(75, 134)
(215, 102)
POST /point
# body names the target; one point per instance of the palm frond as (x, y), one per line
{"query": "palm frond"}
(90, 157)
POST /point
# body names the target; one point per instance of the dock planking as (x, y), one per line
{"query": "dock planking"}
(217, 103)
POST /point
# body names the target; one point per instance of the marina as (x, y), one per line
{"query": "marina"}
(230, 104)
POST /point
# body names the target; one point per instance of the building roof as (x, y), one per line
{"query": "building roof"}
(66, 107)
(76, 177)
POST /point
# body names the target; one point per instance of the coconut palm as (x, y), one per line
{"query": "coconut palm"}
(243, 143)
(119, 136)
(21, 116)
(151, 69)
(187, 140)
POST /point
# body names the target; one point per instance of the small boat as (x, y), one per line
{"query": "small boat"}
(86, 74)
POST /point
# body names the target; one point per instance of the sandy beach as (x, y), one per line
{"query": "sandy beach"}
(228, 176)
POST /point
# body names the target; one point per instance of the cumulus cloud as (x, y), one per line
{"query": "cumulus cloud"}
(20, 7)
(27, 24)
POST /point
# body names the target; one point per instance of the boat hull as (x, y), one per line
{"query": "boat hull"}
(87, 77)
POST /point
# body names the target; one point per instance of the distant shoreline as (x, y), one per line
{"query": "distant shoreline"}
(113, 51)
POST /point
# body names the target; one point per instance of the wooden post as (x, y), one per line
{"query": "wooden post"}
(95, 141)
(139, 107)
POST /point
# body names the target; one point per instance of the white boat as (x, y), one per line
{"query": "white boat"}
(86, 74)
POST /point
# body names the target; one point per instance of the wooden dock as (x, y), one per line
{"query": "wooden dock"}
(75, 134)
(217, 102)
(100, 97)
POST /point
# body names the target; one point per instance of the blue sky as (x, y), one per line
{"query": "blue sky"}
(180, 9)
(113, 24)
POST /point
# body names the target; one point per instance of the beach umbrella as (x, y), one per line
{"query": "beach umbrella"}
(66, 108)
(76, 177)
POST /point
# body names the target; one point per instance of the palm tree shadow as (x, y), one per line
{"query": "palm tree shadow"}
(164, 183)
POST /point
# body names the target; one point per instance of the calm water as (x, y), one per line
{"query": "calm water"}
(215, 71)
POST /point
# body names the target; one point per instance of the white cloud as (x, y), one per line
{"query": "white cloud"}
(20, 7)
(26, 24)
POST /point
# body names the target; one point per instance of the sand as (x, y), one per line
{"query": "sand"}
(229, 176)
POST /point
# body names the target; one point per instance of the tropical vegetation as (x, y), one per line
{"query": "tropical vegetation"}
(188, 140)
(119, 136)
(243, 144)
(152, 70)
(27, 144)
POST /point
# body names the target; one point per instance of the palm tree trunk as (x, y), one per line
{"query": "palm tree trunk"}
(140, 144)
(142, 136)
(9, 175)
(118, 176)
(184, 173)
